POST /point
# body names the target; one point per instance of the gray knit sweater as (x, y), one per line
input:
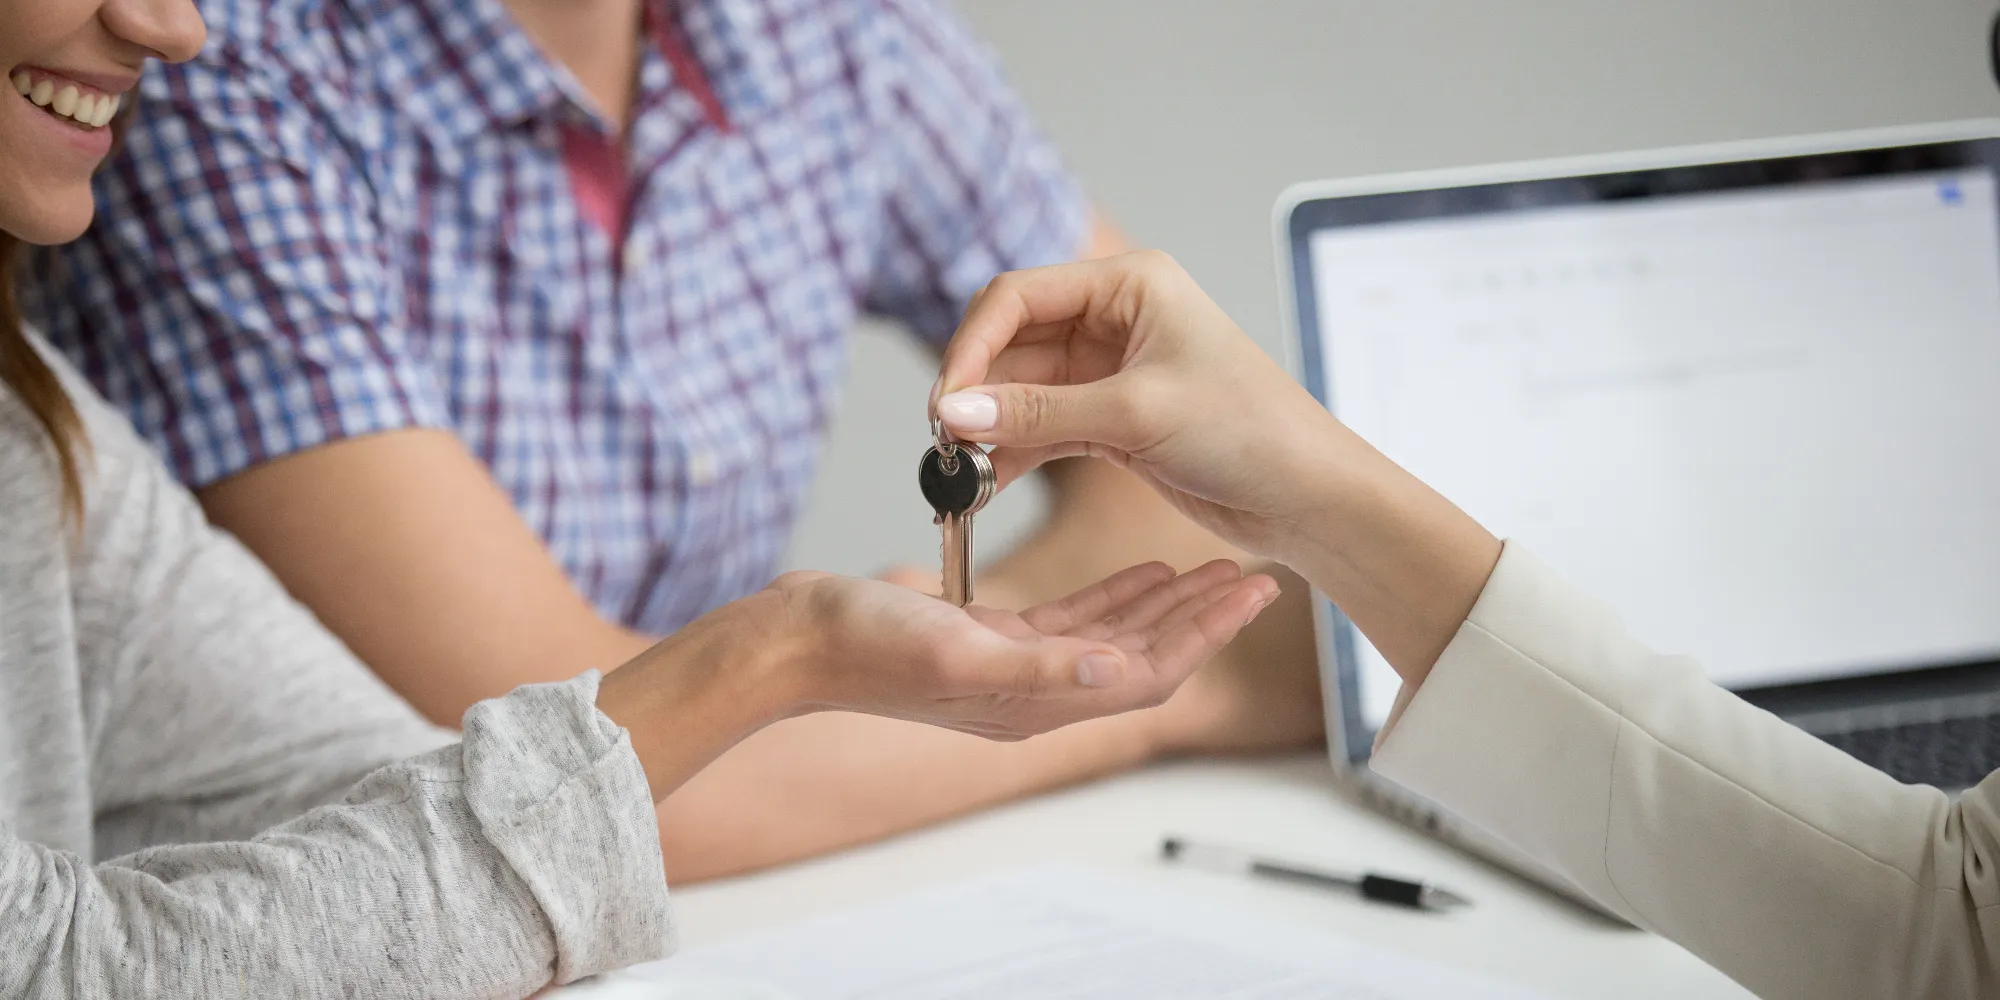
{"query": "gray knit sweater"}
(202, 794)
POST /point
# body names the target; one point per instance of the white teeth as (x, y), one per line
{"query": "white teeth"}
(81, 106)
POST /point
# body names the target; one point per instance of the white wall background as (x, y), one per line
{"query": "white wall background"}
(1185, 118)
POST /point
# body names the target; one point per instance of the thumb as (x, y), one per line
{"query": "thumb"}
(1024, 415)
(1061, 666)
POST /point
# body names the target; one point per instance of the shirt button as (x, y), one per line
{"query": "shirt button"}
(701, 468)
(632, 257)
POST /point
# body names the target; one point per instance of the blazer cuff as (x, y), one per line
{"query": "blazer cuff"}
(1509, 744)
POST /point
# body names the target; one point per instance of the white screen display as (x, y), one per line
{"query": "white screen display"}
(1764, 425)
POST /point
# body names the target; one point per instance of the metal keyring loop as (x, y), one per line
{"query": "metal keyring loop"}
(947, 447)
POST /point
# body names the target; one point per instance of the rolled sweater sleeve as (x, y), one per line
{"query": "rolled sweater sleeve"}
(525, 853)
(1792, 867)
(279, 823)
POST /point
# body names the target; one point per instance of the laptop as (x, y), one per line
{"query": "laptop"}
(1747, 394)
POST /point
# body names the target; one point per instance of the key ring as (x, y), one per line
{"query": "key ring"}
(947, 447)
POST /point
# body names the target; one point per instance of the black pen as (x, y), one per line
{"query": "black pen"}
(1379, 888)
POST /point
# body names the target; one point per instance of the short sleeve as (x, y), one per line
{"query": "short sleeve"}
(234, 298)
(973, 188)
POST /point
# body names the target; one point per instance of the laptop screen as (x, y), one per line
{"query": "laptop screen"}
(1754, 407)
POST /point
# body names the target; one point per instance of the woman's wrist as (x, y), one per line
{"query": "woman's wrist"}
(702, 690)
(1326, 478)
(1402, 562)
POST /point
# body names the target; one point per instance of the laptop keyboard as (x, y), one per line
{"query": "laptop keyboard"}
(1948, 753)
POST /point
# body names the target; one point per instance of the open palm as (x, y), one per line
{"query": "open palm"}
(1124, 643)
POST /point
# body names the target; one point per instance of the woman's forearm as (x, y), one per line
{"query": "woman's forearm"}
(482, 868)
(1401, 561)
(702, 690)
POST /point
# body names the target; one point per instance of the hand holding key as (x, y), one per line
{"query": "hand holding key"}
(1125, 358)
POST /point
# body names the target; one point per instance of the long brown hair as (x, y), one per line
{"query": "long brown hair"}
(25, 371)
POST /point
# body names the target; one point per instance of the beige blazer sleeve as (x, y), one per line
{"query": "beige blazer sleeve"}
(1783, 862)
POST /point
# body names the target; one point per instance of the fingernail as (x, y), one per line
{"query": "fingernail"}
(1098, 670)
(969, 411)
(1258, 609)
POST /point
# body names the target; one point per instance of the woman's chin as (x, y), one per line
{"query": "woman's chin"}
(58, 220)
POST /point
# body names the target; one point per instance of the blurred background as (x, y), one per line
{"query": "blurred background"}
(1185, 118)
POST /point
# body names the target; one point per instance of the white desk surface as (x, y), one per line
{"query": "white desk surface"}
(1290, 809)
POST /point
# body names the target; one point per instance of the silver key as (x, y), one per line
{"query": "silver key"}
(957, 480)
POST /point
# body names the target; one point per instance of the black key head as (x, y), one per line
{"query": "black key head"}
(964, 487)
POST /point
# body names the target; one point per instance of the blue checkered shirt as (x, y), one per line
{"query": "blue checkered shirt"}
(352, 216)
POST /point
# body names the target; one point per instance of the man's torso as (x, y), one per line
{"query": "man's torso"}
(654, 407)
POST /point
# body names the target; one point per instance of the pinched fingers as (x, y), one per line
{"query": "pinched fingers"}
(1010, 304)
(1126, 410)
(1011, 463)
(1097, 295)
(1042, 354)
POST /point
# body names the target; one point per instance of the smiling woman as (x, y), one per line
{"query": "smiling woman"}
(51, 153)
(70, 62)
(164, 706)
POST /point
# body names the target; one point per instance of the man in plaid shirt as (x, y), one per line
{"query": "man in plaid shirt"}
(506, 331)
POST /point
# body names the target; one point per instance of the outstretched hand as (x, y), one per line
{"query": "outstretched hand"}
(815, 642)
(1124, 643)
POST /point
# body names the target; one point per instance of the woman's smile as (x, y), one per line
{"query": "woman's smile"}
(66, 98)
(74, 109)
(71, 66)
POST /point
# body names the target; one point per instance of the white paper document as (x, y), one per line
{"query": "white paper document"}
(1055, 933)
